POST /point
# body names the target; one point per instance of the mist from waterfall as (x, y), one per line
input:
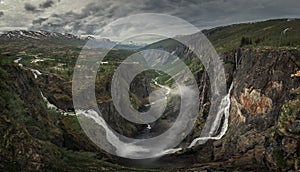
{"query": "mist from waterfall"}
(128, 149)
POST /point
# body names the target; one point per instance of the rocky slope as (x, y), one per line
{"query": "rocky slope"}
(264, 129)
(264, 121)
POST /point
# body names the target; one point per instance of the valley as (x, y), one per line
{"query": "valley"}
(259, 113)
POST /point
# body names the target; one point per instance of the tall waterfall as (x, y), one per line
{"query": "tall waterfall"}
(127, 149)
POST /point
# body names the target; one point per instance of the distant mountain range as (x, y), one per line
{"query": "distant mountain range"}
(277, 32)
(36, 35)
(23, 35)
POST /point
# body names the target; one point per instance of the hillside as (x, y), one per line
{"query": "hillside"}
(271, 33)
(274, 33)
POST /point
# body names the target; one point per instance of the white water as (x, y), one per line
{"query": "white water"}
(131, 150)
(162, 86)
(17, 60)
(122, 148)
(159, 100)
(169, 151)
(36, 73)
(37, 60)
(166, 94)
(285, 30)
(52, 106)
(223, 109)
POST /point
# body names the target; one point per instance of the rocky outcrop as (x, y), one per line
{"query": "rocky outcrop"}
(260, 130)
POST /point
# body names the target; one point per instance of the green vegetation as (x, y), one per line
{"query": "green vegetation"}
(288, 116)
(279, 158)
(272, 33)
(31, 133)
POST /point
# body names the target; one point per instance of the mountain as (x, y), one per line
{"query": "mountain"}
(129, 46)
(37, 35)
(61, 38)
(262, 62)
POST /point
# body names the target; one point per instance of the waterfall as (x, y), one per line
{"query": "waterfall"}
(223, 109)
(122, 148)
(128, 149)
(35, 73)
(52, 106)
(236, 59)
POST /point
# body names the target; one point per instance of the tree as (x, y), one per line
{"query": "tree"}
(245, 41)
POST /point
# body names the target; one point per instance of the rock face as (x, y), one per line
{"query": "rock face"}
(264, 121)
(264, 129)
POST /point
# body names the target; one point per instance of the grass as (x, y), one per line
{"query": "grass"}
(15, 122)
(260, 34)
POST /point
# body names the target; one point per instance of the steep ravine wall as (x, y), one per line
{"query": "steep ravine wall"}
(264, 116)
(264, 88)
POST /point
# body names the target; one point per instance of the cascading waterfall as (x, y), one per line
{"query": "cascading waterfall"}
(122, 148)
(52, 106)
(35, 73)
(128, 149)
(223, 109)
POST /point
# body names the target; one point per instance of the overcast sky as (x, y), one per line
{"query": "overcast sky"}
(90, 17)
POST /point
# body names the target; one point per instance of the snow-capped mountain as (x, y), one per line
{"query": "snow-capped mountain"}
(23, 35)
(36, 35)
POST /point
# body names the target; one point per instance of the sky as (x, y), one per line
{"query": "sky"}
(92, 17)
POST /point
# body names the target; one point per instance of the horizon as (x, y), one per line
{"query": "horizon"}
(93, 18)
(141, 43)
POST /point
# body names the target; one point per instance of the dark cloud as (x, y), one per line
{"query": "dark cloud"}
(1, 13)
(79, 22)
(93, 16)
(163, 5)
(39, 21)
(90, 29)
(46, 4)
(30, 7)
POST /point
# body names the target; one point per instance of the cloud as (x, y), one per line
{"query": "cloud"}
(1, 13)
(90, 17)
(30, 7)
(39, 21)
(46, 4)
